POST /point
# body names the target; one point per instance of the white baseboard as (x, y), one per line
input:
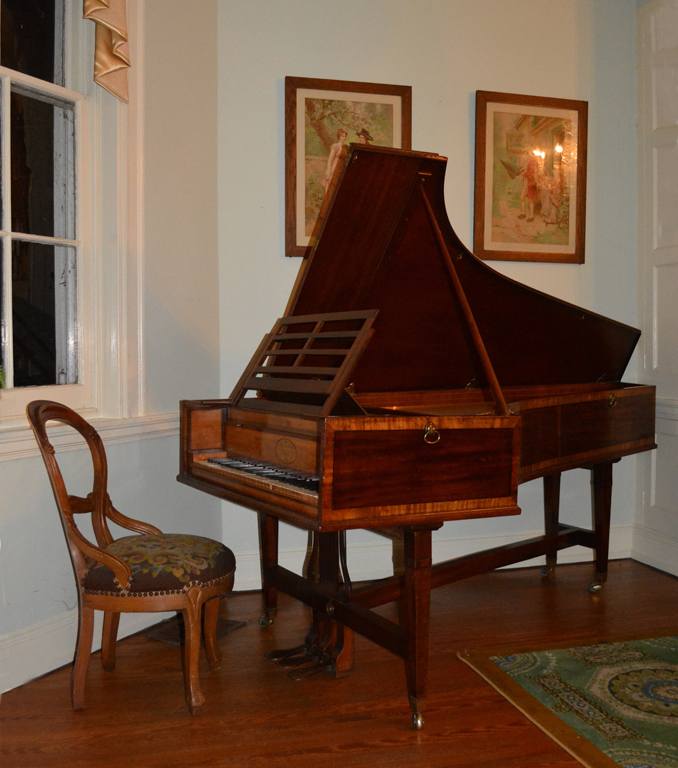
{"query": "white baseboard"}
(373, 560)
(44, 647)
(37, 650)
(655, 549)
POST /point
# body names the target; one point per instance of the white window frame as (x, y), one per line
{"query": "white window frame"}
(16, 398)
(109, 236)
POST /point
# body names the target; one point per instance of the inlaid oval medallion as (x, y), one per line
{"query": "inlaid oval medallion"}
(286, 451)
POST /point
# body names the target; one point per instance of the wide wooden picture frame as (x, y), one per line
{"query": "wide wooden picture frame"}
(322, 118)
(530, 178)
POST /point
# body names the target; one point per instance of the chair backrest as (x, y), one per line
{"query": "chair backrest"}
(97, 503)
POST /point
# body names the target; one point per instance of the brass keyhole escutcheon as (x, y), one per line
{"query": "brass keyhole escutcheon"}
(611, 401)
(431, 434)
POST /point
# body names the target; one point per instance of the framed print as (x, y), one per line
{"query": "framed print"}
(322, 118)
(530, 178)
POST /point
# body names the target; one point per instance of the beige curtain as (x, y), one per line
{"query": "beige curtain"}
(111, 55)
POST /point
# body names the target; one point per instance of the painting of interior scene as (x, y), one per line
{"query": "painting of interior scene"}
(532, 179)
(331, 125)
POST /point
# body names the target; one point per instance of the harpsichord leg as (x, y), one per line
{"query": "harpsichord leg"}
(416, 615)
(268, 546)
(601, 482)
(551, 517)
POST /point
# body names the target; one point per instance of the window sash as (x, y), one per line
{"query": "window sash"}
(109, 236)
(68, 250)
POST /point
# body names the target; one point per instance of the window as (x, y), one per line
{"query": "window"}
(43, 174)
(74, 254)
(40, 250)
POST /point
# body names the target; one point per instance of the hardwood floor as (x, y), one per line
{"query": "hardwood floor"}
(254, 715)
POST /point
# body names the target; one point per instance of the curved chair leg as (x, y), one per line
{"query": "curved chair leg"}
(192, 615)
(83, 649)
(110, 635)
(211, 612)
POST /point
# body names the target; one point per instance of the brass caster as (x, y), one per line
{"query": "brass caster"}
(595, 586)
(265, 622)
(417, 721)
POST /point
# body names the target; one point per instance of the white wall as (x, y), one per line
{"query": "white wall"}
(181, 300)
(579, 49)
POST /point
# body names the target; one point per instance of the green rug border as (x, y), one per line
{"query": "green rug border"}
(556, 729)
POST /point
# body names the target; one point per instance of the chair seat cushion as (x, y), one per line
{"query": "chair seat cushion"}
(169, 563)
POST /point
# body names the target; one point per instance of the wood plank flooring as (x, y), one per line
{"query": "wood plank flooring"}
(254, 715)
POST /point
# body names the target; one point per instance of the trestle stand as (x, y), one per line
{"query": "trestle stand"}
(339, 609)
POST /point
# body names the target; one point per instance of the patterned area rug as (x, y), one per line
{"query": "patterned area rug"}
(610, 704)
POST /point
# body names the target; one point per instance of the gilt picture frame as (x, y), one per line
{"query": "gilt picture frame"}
(322, 119)
(530, 178)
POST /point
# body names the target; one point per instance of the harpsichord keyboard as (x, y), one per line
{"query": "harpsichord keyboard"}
(269, 472)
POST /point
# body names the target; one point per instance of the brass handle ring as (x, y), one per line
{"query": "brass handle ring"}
(611, 401)
(431, 434)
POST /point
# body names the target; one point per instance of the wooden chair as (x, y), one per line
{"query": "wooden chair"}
(150, 571)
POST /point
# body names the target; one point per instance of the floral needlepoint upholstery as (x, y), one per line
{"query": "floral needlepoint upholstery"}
(163, 563)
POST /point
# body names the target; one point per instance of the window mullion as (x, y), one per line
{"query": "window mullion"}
(7, 334)
(65, 264)
(5, 149)
(59, 41)
(7, 325)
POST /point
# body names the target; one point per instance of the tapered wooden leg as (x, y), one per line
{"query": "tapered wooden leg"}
(601, 482)
(83, 648)
(551, 517)
(194, 696)
(211, 611)
(108, 639)
(416, 613)
(268, 546)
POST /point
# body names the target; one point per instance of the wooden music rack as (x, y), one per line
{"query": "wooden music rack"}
(304, 364)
